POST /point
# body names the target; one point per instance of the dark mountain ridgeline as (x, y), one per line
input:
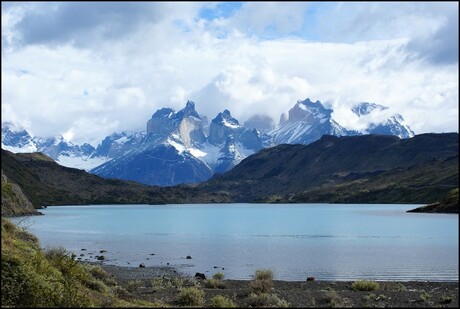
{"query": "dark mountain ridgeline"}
(45, 182)
(352, 169)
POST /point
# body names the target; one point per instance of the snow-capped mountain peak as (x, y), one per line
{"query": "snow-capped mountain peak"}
(309, 111)
(226, 119)
(16, 139)
(307, 122)
(381, 121)
(365, 108)
(187, 111)
(223, 126)
(395, 125)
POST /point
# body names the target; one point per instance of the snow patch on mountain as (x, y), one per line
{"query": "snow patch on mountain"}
(85, 163)
(26, 148)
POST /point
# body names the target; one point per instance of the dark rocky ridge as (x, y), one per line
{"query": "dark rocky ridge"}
(352, 169)
(45, 182)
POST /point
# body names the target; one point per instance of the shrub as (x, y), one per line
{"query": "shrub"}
(160, 283)
(133, 285)
(332, 299)
(446, 299)
(266, 300)
(425, 296)
(263, 281)
(400, 287)
(191, 296)
(261, 286)
(214, 283)
(167, 283)
(365, 285)
(263, 274)
(100, 274)
(177, 282)
(62, 260)
(370, 296)
(94, 285)
(218, 276)
(121, 293)
(220, 301)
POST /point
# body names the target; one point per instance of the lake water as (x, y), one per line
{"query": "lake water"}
(327, 241)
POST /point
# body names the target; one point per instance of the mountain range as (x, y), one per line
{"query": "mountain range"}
(182, 147)
(348, 169)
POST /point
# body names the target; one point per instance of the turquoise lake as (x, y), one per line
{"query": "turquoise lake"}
(327, 241)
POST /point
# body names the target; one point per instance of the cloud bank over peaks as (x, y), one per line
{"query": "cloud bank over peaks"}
(88, 69)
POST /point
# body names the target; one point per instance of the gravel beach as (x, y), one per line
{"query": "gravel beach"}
(298, 294)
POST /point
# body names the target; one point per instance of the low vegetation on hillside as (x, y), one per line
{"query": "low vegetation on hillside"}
(14, 202)
(447, 204)
(35, 278)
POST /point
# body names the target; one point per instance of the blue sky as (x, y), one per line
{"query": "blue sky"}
(88, 69)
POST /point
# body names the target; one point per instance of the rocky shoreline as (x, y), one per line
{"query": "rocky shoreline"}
(124, 273)
(163, 285)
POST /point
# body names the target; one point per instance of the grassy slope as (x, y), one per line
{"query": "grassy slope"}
(33, 278)
(14, 202)
(424, 183)
(447, 204)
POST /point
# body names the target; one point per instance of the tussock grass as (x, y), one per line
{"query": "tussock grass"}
(218, 276)
(133, 285)
(214, 284)
(266, 300)
(220, 301)
(263, 274)
(365, 285)
(191, 296)
(263, 281)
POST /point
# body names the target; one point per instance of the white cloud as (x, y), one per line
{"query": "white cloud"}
(91, 90)
(269, 18)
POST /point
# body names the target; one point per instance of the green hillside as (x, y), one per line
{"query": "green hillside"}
(447, 204)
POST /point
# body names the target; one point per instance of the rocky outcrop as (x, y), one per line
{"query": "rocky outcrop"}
(14, 202)
(223, 126)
